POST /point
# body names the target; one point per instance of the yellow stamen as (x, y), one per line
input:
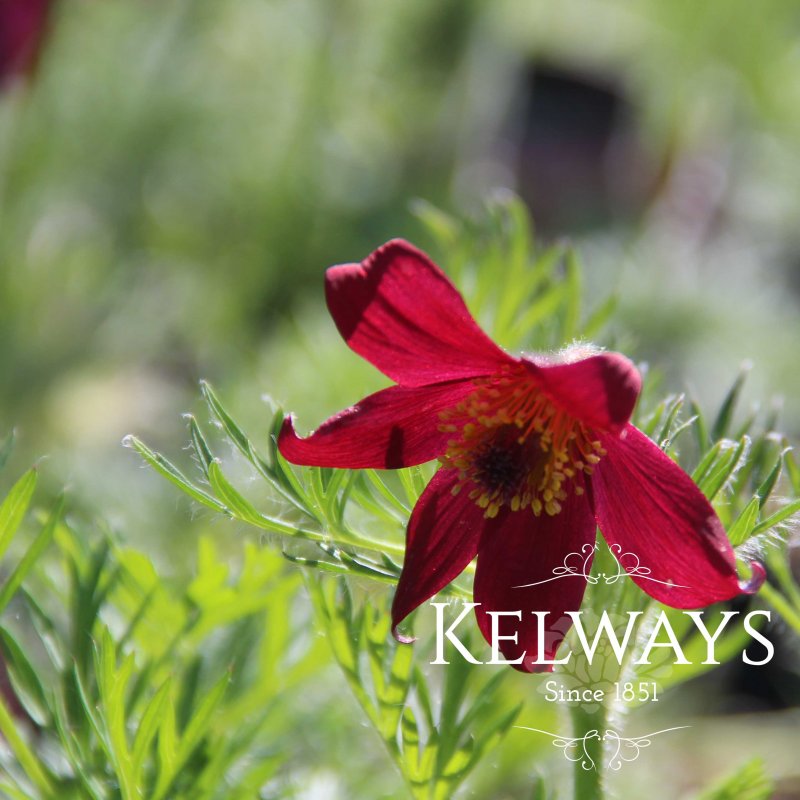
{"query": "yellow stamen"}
(516, 446)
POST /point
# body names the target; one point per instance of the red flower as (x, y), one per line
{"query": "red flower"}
(535, 453)
(22, 29)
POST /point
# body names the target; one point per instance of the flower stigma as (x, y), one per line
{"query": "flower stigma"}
(516, 447)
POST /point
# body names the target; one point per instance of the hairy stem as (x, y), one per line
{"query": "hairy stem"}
(588, 752)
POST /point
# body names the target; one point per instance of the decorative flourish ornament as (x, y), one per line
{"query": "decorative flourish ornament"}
(580, 564)
(622, 749)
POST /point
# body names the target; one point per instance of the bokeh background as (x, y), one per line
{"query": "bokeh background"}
(176, 175)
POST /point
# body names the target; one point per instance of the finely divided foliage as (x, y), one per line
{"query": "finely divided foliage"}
(121, 686)
(124, 685)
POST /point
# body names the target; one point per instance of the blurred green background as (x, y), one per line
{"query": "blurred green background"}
(176, 175)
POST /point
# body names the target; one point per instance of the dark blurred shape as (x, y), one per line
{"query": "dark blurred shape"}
(581, 163)
(741, 688)
(9, 696)
(22, 29)
(787, 789)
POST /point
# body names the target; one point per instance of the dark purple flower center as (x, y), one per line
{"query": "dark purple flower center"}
(502, 463)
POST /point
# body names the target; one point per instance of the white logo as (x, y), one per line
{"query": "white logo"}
(578, 564)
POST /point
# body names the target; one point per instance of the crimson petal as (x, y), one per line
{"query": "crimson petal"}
(398, 310)
(600, 390)
(396, 427)
(522, 563)
(663, 530)
(442, 538)
(22, 29)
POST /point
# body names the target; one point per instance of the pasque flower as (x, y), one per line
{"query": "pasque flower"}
(535, 452)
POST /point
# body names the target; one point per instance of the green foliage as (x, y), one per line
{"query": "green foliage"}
(783, 593)
(122, 686)
(435, 747)
(528, 297)
(13, 509)
(749, 782)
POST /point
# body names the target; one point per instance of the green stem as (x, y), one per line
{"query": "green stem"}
(26, 757)
(589, 768)
(781, 605)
